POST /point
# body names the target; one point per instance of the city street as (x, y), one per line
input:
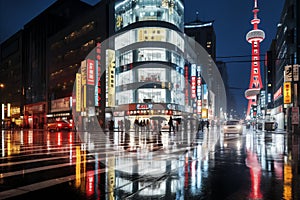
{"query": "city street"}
(36, 164)
(150, 99)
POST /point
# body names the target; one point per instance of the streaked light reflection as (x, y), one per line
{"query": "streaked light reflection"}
(3, 143)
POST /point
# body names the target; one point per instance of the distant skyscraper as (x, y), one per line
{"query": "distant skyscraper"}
(203, 33)
(254, 37)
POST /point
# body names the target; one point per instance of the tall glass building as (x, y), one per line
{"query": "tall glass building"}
(149, 76)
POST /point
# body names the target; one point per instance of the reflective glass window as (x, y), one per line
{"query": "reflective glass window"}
(124, 78)
(131, 11)
(149, 34)
(156, 95)
(124, 97)
(152, 75)
(125, 58)
(151, 54)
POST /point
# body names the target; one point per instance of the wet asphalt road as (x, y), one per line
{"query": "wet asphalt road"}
(80, 165)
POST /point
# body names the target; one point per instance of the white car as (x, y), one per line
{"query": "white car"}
(233, 126)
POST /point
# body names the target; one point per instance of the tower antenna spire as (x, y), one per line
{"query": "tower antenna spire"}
(255, 3)
(254, 37)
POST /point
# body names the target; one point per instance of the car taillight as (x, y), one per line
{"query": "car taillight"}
(59, 125)
(70, 125)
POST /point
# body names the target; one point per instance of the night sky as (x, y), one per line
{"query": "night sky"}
(232, 22)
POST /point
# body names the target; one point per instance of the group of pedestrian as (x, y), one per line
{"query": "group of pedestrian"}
(143, 125)
(202, 124)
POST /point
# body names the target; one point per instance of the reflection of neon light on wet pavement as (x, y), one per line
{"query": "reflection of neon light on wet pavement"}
(288, 177)
(255, 172)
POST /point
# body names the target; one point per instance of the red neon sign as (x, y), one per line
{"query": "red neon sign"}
(90, 72)
(186, 73)
(98, 57)
(278, 94)
(193, 87)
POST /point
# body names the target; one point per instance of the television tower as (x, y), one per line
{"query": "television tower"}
(254, 37)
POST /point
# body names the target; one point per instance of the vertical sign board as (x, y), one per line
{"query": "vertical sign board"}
(96, 85)
(199, 90)
(78, 92)
(186, 77)
(291, 74)
(90, 78)
(8, 110)
(287, 93)
(90, 72)
(110, 58)
(193, 80)
(83, 72)
(84, 96)
(295, 115)
(98, 75)
(205, 96)
(83, 82)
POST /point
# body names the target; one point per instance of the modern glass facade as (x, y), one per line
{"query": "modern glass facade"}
(149, 34)
(159, 85)
(131, 11)
(150, 63)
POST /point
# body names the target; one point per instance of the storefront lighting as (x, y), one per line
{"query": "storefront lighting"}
(2, 116)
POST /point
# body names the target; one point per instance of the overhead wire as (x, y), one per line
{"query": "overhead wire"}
(246, 61)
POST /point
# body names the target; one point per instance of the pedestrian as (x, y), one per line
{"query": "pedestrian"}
(121, 125)
(136, 125)
(159, 125)
(111, 125)
(207, 125)
(202, 125)
(147, 125)
(171, 126)
(127, 125)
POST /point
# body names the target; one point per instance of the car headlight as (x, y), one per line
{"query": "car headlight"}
(239, 126)
(225, 127)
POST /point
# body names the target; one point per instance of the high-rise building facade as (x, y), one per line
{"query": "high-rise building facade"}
(35, 38)
(283, 54)
(11, 90)
(149, 70)
(203, 32)
(66, 54)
